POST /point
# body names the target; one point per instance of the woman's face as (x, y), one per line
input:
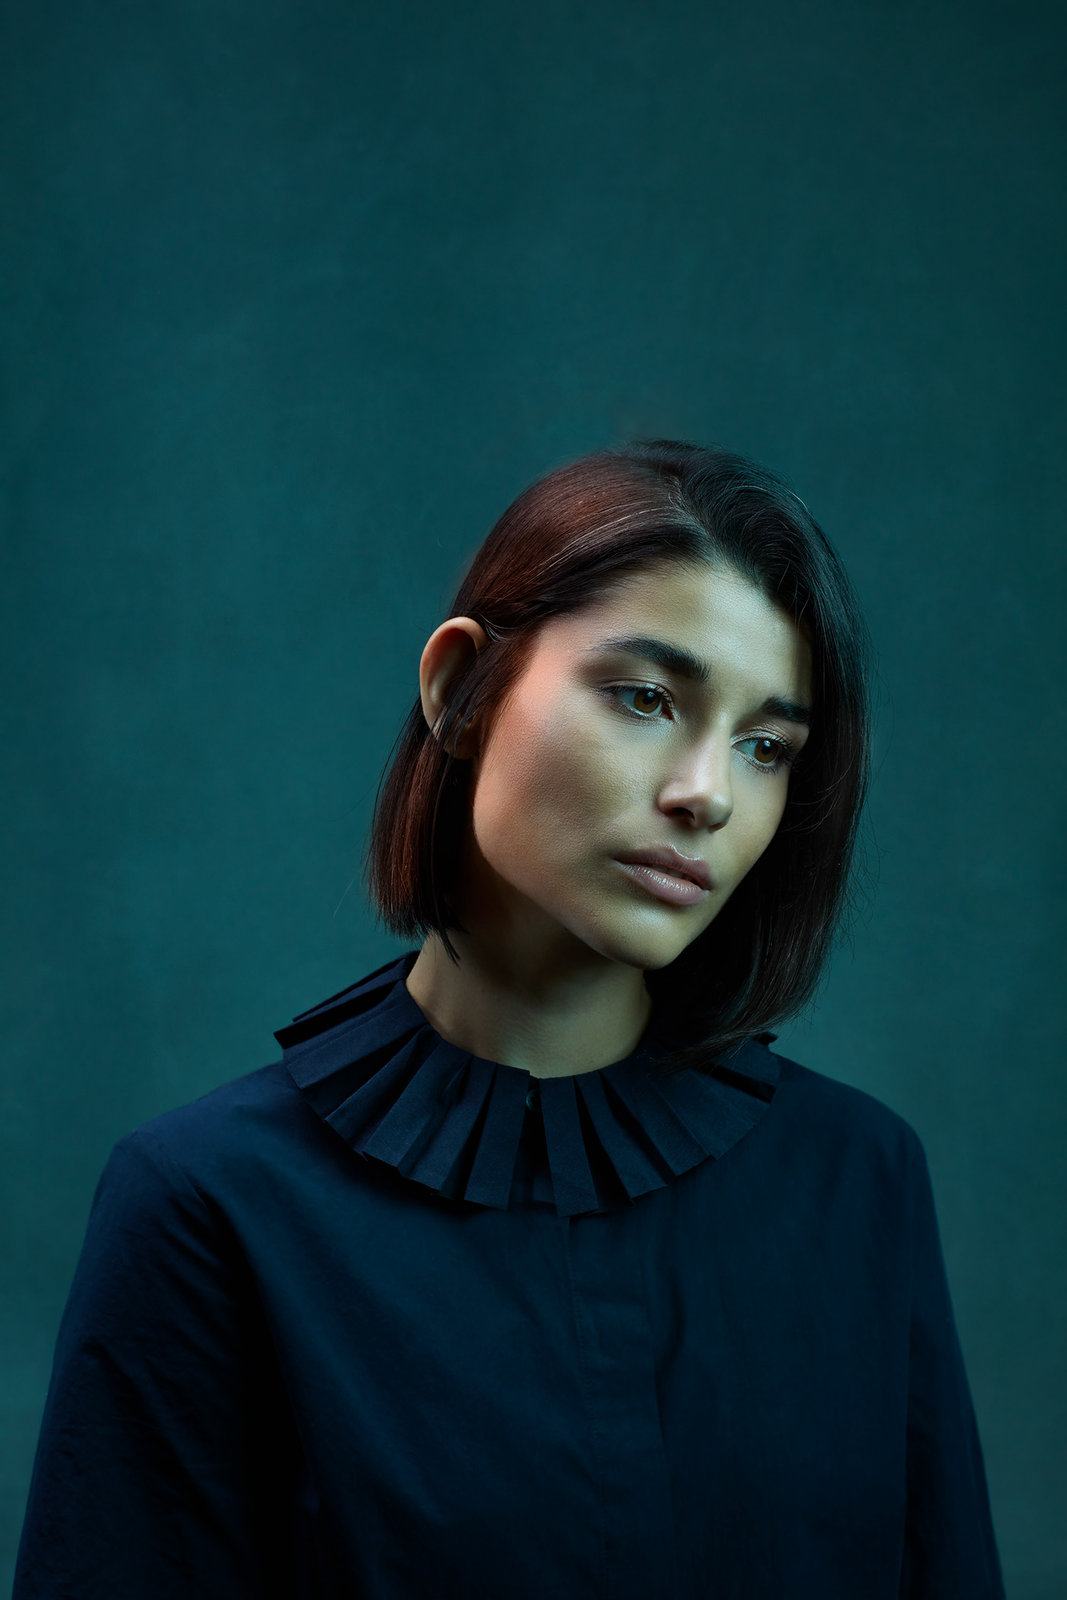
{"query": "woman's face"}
(601, 750)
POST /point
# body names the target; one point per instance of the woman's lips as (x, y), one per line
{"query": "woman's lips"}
(664, 885)
(665, 858)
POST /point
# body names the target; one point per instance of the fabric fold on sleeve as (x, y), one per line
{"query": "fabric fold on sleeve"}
(950, 1548)
(159, 1388)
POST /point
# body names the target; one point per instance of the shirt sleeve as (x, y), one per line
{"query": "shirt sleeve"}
(165, 1456)
(950, 1547)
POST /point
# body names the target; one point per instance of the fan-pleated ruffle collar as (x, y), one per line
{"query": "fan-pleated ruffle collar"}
(384, 1079)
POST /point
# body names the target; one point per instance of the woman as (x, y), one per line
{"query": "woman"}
(530, 1269)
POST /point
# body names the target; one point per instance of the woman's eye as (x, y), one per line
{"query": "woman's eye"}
(646, 698)
(770, 755)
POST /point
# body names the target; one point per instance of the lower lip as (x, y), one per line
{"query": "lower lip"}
(664, 885)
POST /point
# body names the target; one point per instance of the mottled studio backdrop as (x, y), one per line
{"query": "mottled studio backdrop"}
(298, 294)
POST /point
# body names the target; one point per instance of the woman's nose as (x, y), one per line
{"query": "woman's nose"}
(703, 785)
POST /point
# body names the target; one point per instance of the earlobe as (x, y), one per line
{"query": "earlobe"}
(447, 652)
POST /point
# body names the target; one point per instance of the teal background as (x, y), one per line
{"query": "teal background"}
(297, 297)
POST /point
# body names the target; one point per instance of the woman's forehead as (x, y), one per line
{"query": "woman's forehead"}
(694, 623)
(699, 601)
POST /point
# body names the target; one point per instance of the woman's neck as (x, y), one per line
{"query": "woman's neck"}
(552, 1022)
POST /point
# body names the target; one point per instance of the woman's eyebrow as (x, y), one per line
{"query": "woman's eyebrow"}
(684, 664)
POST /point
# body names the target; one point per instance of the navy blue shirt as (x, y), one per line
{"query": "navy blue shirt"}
(386, 1321)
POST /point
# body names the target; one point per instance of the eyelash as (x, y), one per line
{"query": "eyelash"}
(787, 754)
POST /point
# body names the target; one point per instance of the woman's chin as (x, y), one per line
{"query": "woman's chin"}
(646, 949)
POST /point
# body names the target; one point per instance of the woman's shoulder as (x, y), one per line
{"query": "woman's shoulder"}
(243, 1123)
(837, 1116)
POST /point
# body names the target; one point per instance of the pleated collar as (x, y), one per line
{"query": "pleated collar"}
(372, 1066)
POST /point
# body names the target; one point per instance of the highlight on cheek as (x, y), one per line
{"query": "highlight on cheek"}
(649, 700)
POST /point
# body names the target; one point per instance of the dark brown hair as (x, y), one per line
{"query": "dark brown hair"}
(560, 546)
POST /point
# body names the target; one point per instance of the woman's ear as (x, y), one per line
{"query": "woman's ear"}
(447, 651)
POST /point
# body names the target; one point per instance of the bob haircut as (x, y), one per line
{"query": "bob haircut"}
(561, 545)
